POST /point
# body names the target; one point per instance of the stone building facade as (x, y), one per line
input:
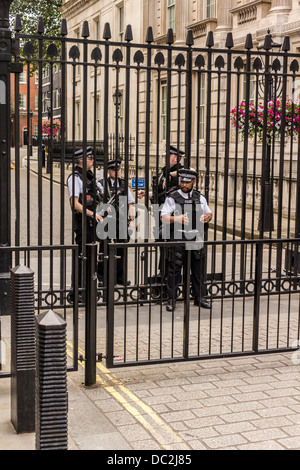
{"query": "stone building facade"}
(240, 17)
(200, 16)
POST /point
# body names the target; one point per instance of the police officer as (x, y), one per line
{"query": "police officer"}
(166, 180)
(115, 187)
(159, 184)
(164, 175)
(186, 198)
(93, 198)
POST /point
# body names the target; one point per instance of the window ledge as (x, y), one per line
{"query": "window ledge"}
(202, 28)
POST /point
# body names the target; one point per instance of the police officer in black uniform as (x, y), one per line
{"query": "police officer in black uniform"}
(115, 187)
(186, 198)
(166, 180)
(93, 198)
(170, 172)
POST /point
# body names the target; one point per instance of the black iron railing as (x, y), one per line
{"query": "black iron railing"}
(234, 112)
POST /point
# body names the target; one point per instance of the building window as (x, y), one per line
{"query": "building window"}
(210, 9)
(44, 101)
(23, 77)
(252, 85)
(202, 108)
(121, 23)
(163, 112)
(121, 115)
(55, 101)
(77, 119)
(171, 14)
(22, 101)
(97, 118)
(36, 101)
(97, 29)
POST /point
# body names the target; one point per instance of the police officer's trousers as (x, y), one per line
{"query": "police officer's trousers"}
(176, 263)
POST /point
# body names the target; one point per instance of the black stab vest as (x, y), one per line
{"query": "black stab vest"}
(185, 203)
(93, 196)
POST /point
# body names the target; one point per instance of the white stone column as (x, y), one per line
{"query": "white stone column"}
(280, 10)
(181, 21)
(224, 16)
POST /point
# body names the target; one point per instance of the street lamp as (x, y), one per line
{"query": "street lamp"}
(269, 91)
(117, 96)
(117, 99)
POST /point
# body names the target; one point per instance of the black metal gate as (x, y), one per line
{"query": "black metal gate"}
(236, 115)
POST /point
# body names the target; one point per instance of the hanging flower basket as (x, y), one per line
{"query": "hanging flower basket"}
(49, 131)
(274, 119)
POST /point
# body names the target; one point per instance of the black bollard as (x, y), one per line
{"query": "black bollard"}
(51, 383)
(22, 350)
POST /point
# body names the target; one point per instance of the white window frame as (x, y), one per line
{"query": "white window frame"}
(97, 28)
(97, 120)
(210, 9)
(121, 115)
(23, 101)
(23, 77)
(163, 109)
(171, 14)
(78, 119)
(121, 22)
(252, 85)
(202, 107)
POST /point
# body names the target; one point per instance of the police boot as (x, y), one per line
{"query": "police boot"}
(171, 305)
(203, 302)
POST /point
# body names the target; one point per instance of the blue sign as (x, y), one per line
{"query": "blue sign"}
(141, 183)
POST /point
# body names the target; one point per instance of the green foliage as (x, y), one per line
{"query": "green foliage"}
(30, 11)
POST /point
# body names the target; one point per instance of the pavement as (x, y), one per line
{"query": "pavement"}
(248, 403)
(237, 403)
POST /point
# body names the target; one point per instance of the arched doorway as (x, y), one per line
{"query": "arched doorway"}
(25, 136)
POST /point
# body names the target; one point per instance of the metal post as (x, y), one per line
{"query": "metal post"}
(187, 293)
(5, 203)
(91, 314)
(257, 294)
(51, 382)
(110, 307)
(22, 350)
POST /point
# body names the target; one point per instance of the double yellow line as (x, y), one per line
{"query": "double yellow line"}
(162, 432)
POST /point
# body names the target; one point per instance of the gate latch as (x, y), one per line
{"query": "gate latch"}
(100, 357)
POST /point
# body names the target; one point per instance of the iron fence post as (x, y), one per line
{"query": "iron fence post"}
(22, 349)
(5, 202)
(110, 307)
(91, 314)
(188, 109)
(51, 382)
(187, 293)
(257, 294)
